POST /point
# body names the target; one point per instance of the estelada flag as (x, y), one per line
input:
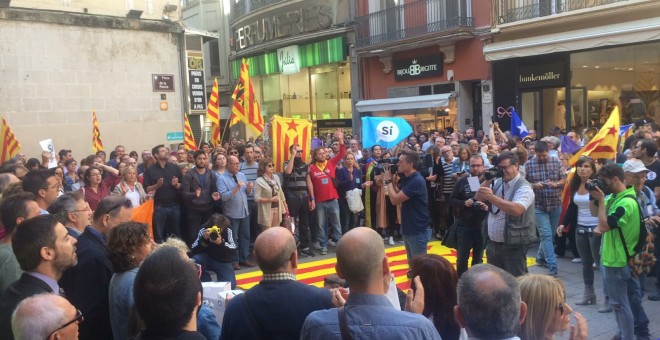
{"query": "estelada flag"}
(97, 144)
(188, 138)
(213, 114)
(10, 145)
(286, 132)
(604, 143)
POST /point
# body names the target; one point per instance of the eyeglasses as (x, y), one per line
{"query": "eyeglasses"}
(87, 208)
(561, 308)
(79, 318)
(636, 147)
(234, 152)
(269, 165)
(299, 152)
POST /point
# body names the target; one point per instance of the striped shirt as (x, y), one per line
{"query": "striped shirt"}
(250, 172)
(448, 180)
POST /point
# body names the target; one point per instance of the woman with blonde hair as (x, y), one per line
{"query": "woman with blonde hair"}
(130, 187)
(269, 196)
(547, 310)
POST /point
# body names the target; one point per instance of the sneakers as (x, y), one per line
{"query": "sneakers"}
(332, 243)
(552, 271)
(306, 252)
(576, 260)
(316, 246)
(324, 251)
(655, 296)
(390, 241)
(542, 263)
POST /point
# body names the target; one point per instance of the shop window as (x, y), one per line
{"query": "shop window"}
(628, 76)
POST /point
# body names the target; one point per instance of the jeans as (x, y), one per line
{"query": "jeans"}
(349, 219)
(468, 238)
(328, 211)
(547, 223)
(224, 271)
(167, 221)
(299, 208)
(240, 227)
(588, 247)
(416, 244)
(625, 297)
(255, 229)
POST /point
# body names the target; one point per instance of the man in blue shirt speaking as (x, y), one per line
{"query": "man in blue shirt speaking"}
(411, 193)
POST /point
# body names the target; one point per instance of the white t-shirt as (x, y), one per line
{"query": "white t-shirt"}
(584, 212)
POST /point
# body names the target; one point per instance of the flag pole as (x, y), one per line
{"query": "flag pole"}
(224, 131)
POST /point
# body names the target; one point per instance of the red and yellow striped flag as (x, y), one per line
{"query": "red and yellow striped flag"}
(97, 144)
(286, 132)
(245, 107)
(10, 144)
(604, 143)
(188, 138)
(213, 114)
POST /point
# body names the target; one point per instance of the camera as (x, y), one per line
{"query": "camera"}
(492, 173)
(596, 184)
(393, 161)
(215, 232)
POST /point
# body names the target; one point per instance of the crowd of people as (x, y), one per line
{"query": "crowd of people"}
(68, 241)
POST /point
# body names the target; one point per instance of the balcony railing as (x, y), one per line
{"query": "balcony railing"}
(517, 10)
(243, 7)
(411, 20)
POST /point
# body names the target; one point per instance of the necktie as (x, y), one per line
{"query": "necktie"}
(235, 178)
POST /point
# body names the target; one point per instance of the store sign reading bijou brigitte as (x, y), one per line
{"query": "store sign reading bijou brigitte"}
(427, 66)
(288, 59)
(278, 26)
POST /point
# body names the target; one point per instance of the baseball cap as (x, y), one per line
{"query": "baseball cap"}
(634, 165)
(642, 122)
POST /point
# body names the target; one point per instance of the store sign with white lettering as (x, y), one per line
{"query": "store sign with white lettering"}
(542, 75)
(289, 59)
(417, 68)
(197, 90)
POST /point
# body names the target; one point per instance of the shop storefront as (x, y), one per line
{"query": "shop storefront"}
(298, 57)
(577, 90)
(311, 81)
(432, 88)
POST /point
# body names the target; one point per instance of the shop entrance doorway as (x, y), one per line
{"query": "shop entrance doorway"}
(542, 109)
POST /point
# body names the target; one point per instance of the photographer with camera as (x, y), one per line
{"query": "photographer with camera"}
(620, 211)
(471, 215)
(214, 250)
(511, 224)
(412, 195)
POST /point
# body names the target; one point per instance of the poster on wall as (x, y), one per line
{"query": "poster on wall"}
(197, 92)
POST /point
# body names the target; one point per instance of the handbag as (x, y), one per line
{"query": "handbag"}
(450, 240)
(354, 199)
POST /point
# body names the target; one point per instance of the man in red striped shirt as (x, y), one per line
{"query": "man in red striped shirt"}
(323, 191)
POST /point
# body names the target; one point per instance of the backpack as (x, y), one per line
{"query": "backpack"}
(643, 259)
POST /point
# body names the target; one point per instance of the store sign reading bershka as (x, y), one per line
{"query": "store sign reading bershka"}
(422, 67)
(289, 59)
(542, 75)
(289, 23)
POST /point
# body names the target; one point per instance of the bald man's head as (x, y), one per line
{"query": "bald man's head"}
(273, 249)
(489, 302)
(360, 254)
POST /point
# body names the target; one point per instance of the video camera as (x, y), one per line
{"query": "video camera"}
(492, 173)
(215, 232)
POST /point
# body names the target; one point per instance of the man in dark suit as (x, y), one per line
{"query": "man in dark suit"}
(87, 284)
(44, 250)
(278, 305)
(199, 190)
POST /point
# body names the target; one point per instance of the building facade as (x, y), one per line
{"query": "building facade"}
(422, 60)
(567, 63)
(62, 60)
(298, 52)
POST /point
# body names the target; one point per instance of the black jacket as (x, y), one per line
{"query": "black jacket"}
(191, 182)
(26, 286)
(470, 217)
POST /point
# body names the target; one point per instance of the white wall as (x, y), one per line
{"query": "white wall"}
(53, 76)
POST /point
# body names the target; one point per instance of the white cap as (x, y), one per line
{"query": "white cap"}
(634, 165)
